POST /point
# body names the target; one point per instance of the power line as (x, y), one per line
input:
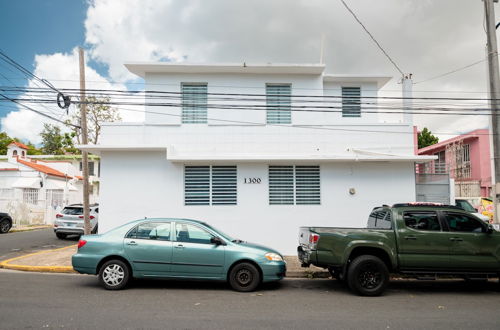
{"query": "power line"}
(38, 112)
(373, 38)
(453, 71)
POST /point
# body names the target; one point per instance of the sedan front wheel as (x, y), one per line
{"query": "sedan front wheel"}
(114, 275)
(244, 277)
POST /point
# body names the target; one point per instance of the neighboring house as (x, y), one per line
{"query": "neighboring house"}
(468, 160)
(34, 188)
(225, 145)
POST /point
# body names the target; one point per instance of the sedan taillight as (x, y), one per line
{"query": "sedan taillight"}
(81, 243)
(59, 215)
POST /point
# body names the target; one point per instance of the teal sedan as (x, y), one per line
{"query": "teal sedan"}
(175, 249)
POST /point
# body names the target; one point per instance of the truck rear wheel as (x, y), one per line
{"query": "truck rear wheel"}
(367, 276)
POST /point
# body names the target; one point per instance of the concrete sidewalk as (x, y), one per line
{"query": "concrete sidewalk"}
(59, 261)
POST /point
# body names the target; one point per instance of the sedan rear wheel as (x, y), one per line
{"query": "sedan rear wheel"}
(244, 277)
(114, 275)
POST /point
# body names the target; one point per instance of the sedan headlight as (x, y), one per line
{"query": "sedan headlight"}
(273, 257)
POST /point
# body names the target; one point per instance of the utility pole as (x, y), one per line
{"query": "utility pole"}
(407, 84)
(85, 160)
(494, 94)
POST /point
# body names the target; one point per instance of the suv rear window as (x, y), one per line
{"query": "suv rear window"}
(72, 210)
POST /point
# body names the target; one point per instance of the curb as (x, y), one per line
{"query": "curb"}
(19, 230)
(42, 269)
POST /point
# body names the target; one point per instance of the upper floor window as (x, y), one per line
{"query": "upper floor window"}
(290, 185)
(279, 103)
(210, 185)
(351, 102)
(194, 103)
(91, 168)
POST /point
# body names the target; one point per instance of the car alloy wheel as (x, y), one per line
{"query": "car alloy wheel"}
(113, 275)
(367, 275)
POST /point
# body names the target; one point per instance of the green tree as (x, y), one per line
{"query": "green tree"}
(5, 140)
(98, 111)
(32, 150)
(425, 138)
(54, 142)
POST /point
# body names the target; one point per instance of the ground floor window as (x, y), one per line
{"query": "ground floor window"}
(210, 185)
(299, 185)
(30, 196)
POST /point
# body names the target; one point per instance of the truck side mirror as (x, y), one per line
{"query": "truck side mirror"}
(490, 229)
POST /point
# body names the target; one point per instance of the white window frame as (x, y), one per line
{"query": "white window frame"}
(351, 105)
(278, 104)
(194, 107)
(213, 183)
(295, 185)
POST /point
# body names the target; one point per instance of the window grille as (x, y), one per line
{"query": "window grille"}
(210, 185)
(278, 100)
(194, 103)
(30, 196)
(298, 185)
(351, 102)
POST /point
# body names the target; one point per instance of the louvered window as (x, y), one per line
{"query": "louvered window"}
(298, 185)
(278, 100)
(210, 185)
(194, 103)
(351, 102)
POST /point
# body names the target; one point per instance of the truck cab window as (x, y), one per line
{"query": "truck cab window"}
(464, 223)
(422, 220)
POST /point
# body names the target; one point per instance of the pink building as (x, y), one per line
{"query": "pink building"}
(467, 158)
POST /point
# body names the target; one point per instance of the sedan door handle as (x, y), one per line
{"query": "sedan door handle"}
(456, 239)
(131, 243)
(179, 246)
(411, 238)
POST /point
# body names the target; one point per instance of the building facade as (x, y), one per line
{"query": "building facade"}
(467, 158)
(255, 150)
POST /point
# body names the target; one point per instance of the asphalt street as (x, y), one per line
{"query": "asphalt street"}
(14, 244)
(55, 301)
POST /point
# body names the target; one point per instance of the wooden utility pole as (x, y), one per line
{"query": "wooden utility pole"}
(85, 161)
(494, 95)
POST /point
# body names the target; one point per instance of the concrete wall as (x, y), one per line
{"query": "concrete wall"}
(146, 184)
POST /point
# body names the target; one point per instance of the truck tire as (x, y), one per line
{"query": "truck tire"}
(367, 275)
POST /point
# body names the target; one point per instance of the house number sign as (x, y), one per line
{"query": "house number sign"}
(252, 180)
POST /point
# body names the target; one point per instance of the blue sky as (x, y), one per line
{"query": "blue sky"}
(30, 27)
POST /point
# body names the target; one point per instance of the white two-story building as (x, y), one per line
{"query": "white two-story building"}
(255, 150)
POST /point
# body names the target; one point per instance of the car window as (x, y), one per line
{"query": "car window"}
(419, 220)
(72, 210)
(463, 204)
(151, 230)
(192, 234)
(464, 223)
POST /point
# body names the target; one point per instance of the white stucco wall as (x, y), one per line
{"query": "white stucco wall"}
(145, 184)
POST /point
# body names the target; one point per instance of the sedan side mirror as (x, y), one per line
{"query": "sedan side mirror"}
(490, 229)
(217, 241)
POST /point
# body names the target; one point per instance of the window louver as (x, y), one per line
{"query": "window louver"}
(281, 185)
(210, 185)
(298, 185)
(278, 100)
(194, 103)
(224, 185)
(307, 185)
(351, 102)
(197, 185)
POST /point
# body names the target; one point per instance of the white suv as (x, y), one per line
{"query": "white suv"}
(70, 220)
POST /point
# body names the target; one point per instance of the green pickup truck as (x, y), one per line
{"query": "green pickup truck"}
(422, 240)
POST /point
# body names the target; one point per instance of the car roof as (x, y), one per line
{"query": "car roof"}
(170, 220)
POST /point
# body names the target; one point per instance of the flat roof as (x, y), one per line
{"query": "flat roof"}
(140, 68)
(381, 80)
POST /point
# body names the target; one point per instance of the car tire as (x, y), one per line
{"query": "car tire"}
(61, 235)
(368, 276)
(244, 277)
(5, 226)
(114, 275)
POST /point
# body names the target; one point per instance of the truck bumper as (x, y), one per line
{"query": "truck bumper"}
(304, 255)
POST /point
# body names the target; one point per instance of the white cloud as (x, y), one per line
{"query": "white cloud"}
(63, 71)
